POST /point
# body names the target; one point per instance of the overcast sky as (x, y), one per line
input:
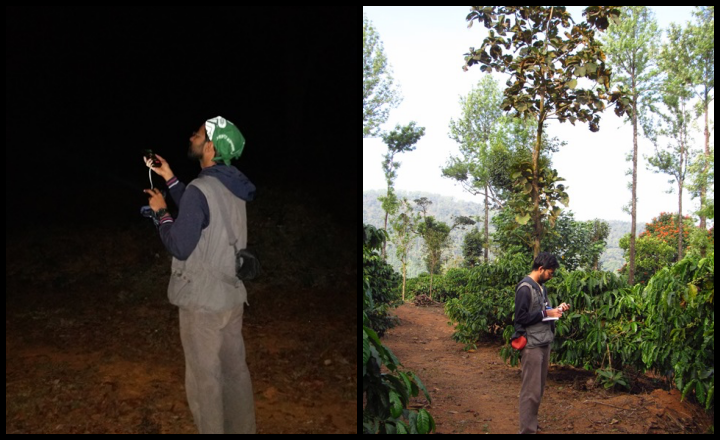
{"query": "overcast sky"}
(425, 46)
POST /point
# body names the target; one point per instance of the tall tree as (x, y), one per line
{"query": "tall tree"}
(472, 248)
(676, 116)
(544, 75)
(436, 236)
(474, 131)
(702, 76)
(632, 50)
(379, 92)
(399, 140)
(404, 226)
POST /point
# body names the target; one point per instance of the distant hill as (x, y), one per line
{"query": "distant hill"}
(444, 208)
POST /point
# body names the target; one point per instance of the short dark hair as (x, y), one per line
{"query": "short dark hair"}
(546, 260)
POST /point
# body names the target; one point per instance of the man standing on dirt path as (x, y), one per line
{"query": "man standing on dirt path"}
(203, 283)
(531, 313)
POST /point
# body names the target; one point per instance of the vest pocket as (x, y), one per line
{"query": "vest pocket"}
(180, 289)
(539, 334)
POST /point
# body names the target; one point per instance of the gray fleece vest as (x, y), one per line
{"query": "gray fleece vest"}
(539, 334)
(206, 280)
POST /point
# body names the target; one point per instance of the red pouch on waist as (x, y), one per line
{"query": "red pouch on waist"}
(519, 343)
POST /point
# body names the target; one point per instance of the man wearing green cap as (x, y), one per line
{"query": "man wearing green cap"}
(203, 283)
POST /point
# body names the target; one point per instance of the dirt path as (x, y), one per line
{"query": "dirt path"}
(478, 393)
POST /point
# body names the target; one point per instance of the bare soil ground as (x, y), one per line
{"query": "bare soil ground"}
(475, 392)
(92, 344)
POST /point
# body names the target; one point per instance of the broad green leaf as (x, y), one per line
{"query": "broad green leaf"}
(423, 422)
(396, 406)
(522, 220)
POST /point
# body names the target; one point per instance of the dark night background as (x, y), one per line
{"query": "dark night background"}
(92, 344)
(88, 89)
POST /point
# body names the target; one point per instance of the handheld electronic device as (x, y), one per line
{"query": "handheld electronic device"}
(150, 155)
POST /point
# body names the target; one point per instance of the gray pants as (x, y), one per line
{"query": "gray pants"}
(217, 379)
(534, 372)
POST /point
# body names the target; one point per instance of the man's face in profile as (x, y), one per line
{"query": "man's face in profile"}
(197, 142)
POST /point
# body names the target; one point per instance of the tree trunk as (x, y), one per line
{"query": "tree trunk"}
(703, 182)
(431, 279)
(633, 201)
(680, 222)
(384, 242)
(487, 228)
(404, 265)
(681, 178)
(535, 194)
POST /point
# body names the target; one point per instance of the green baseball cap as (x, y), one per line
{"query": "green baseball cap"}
(226, 137)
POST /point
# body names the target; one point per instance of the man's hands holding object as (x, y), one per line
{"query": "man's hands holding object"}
(156, 163)
(557, 312)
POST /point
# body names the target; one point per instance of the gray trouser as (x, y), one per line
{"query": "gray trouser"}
(534, 372)
(217, 379)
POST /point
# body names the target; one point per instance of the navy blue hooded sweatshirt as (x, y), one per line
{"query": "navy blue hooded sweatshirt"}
(181, 235)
